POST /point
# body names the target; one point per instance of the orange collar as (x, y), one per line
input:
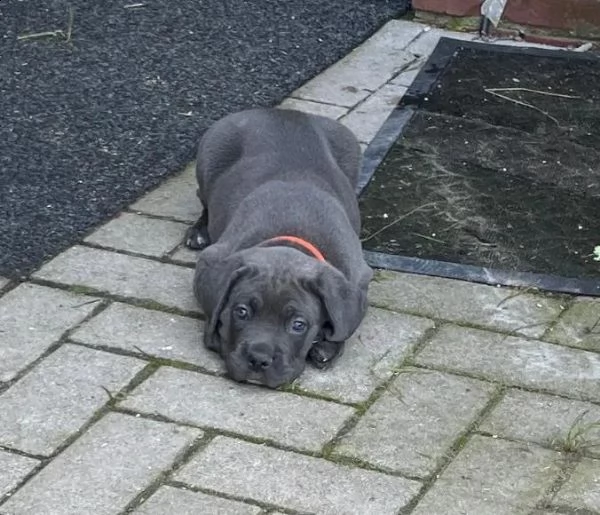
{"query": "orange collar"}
(314, 251)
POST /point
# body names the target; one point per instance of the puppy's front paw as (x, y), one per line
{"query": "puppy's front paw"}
(196, 238)
(324, 353)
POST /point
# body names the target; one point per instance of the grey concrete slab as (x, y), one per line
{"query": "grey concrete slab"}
(3, 282)
(368, 117)
(294, 481)
(308, 106)
(175, 199)
(156, 333)
(579, 326)
(546, 420)
(219, 403)
(492, 476)
(365, 69)
(370, 357)
(185, 256)
(413, 425)
(582, 491)
(123, 275)
(515, 361)
(464, 302)
(13, 470)
(140, 234)
(184, 502)
(31, 319)
(104, 469)
(53, 401)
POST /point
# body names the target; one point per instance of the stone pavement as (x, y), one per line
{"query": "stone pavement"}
(452, 398)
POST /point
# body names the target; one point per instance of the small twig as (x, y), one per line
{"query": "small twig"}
(399, 219)
(110, 395)
(430, 238)
(592, 330)
(144, 353)
(48, 33)
(548, 93)
(524, 104)
(53, 33)
(133, 6)
(70, 23)
(513, 295)
(86, 303)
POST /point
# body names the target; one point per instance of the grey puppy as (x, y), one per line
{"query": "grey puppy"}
(281, 276)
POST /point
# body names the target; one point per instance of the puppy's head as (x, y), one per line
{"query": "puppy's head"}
(268, 305)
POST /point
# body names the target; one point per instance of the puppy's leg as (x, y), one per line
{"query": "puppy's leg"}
(324, 353)
(196, 237)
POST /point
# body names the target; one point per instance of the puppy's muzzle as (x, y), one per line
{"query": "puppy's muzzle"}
(259, 356)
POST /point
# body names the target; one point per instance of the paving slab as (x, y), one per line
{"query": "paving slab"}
(293, 481)
(184, 502)
(175, 199)
(492, 476)
(219, 403)
(13, 470)
(104, 469)
(308, 106)
(370, 357)
(463, 302)
(151, 332)
(123, 275)
(185, 256)
(414, 424)
(579, 326)
(582, 491)
(32, 318)
(53, 401)
(140, 234)
(365, 69)
(544, 419)
(367, 118)
(515, 361)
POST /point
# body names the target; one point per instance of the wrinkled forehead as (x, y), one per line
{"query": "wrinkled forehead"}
(269, 292)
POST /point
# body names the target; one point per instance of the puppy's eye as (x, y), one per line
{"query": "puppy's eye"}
(241, 312)
(299, 326)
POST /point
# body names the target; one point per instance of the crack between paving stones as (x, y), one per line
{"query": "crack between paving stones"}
(569, 462)
(132, 301)
(93, 419)
(470, 325)
(459, 443)
(149, 358)
(182, 458)
(212, 431)
(166, 218)
(53, 347)
(157, 259)
(328, 450)
(550, 447)
(248, 500)
(474, 375)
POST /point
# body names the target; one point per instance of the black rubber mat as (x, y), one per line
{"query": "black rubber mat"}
(489, 170)
(116, 95)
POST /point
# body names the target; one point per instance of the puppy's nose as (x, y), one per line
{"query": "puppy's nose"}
(259, 357)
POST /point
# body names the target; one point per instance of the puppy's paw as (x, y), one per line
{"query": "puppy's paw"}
(323, 353)
(196, 238)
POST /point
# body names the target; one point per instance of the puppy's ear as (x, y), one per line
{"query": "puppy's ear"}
(216, 273)
(345, 302)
